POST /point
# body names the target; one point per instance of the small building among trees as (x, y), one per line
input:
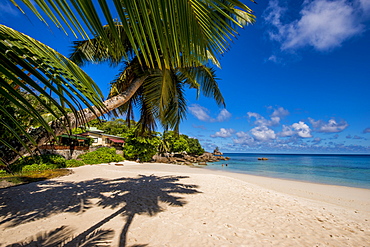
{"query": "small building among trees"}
(101, 139)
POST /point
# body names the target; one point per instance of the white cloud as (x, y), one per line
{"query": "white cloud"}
(242, 134)
(199, 112)
(273, 58)
(243, 138)
(259, 119)
(253, 114)
(367, 130)
(365, 6)
(278, 114)
(224, 133)
(223, 116)
(275, 117)
(299, 129)
(263, 133)
(332, 126)
(287, 131)
(322, 24)
(202, 114)
(302, 129)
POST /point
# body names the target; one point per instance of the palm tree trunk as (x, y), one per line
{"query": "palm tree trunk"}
(41, 135)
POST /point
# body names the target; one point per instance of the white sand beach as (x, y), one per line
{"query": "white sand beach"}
(171, 205)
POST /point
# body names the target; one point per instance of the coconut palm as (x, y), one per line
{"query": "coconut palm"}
(161, 95)
(163, 34)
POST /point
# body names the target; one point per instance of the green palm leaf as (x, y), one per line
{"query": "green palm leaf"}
(162, 31)
(28, 66)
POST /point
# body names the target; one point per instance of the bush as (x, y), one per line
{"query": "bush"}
(39, 163)
(57, 160)
(140, 147)
(74, 163)
(38, 167)
(101, 155)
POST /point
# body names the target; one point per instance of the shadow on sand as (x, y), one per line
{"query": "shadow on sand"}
(130, 196)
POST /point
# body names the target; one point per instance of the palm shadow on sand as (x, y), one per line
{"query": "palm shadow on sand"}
(130, 196)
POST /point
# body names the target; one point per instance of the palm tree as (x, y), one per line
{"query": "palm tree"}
(164, 34)
(161, 95)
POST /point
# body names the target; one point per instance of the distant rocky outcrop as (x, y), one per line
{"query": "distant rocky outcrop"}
(262, 158)
(217, 152)
(186, 159)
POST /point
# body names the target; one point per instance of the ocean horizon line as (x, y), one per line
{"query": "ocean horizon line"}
(312, 154)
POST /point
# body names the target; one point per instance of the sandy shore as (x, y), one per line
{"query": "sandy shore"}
(169, 205)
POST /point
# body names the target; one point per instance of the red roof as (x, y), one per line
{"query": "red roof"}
(116, 140)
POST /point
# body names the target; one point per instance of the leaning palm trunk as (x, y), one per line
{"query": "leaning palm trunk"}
(41, 135)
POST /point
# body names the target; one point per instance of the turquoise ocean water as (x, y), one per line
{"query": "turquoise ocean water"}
(345, 170)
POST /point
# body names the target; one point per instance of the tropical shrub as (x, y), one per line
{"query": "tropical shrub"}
(179, 143)
(74, 163)
(39, 163)
(194, 147)
(38, 167)
(101, 155)
(140, 147)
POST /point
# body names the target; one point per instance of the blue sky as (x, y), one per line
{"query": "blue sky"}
(298, 81)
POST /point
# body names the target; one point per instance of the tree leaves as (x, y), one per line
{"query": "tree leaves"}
(28, 66)
(160, 30)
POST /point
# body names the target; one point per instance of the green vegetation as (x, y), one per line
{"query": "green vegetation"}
(36, 168)
(114, 127)
(34, 75)
(39, 163)
(140, 147)
(179, 143)
(74, 163)
(101, 155)
(143, 146)
(163, 48)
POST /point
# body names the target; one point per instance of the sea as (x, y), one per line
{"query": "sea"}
(336, 169)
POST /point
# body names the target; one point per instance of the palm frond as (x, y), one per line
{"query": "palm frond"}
(94, 50)
(203, 79)
(175, 111)
(157, 29)
(30, 66)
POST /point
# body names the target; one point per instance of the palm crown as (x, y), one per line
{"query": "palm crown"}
(161, 95)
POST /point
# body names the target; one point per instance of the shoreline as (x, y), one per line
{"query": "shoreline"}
(283, 178)
(345, 196)
(348, 196)
(171, 205)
